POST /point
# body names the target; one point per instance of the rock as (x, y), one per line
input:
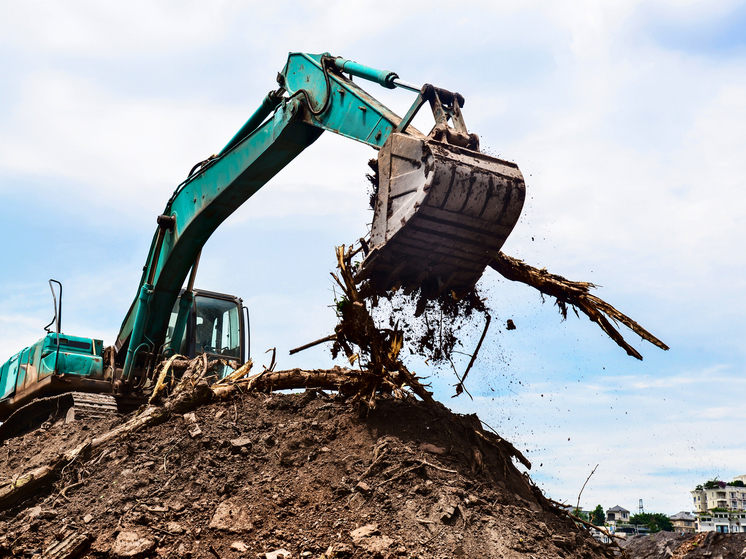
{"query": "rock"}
(341, 550)
(378, 544)
(356, 501)
(363, 488)
(174, 528)
(278, 554)
(363, 532)
(132, 545)
(241, 442)
(447, 513)
(232, 517)
(240, 547)
(87, 519)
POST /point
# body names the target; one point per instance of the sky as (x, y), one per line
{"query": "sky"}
(627, 119)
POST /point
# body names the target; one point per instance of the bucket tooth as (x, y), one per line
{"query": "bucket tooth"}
(441, 210)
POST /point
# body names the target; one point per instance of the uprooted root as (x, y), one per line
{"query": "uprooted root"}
(375, 349)
(577, 295)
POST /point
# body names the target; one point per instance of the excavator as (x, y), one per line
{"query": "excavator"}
(442, 211)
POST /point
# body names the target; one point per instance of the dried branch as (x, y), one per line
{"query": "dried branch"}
(586, 483)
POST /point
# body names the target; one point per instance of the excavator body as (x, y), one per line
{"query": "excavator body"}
(442, 211)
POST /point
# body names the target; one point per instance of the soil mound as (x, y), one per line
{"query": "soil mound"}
(667, 545)
(293, 475)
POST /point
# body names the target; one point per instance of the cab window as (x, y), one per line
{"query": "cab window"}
(217, 327)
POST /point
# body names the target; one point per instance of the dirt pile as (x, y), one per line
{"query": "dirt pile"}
(305, 475)
(667, 545)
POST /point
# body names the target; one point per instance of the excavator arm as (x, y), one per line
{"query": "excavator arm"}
(443, 174)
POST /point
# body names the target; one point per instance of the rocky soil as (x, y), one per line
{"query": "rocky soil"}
(288, 475)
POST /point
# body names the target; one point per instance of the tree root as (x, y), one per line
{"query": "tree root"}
(577, 294)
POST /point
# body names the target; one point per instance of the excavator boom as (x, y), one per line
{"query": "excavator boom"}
(443, 209)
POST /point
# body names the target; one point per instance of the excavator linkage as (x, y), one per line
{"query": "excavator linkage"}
(442, 212)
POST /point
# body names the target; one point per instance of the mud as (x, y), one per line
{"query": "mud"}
(308, 474)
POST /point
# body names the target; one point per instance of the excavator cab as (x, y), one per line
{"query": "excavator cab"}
(216, 325)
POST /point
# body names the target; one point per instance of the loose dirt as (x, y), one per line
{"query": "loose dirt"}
(299, 475)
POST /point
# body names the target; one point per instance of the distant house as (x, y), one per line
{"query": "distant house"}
(683, 522)
(617, 515)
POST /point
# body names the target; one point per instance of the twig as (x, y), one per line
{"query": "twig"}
(479, 346)
(272, 363)
(586, 482)
(562, 507)
(460, 385)
(401, 474)
(366, 473)
(165, 456)
(165, 485)
(69, 487)
(591, 525)
(419, 465)
(330, 338)
(426, 463)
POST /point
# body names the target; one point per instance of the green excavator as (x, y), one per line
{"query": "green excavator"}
(442, 211)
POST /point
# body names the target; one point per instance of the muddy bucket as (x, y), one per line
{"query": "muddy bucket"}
(441, 214)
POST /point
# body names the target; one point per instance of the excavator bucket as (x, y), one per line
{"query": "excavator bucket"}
(442, 212)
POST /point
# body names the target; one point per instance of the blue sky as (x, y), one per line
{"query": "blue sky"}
(627, 118)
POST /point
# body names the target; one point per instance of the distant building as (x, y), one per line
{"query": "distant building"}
(600, 535)
(683, 522)
(723, 522)
(617, 515)
(720, 506)
(719, 496)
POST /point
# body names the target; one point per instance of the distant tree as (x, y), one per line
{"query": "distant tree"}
(581, 514)
(655, 521)
(598, 516)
